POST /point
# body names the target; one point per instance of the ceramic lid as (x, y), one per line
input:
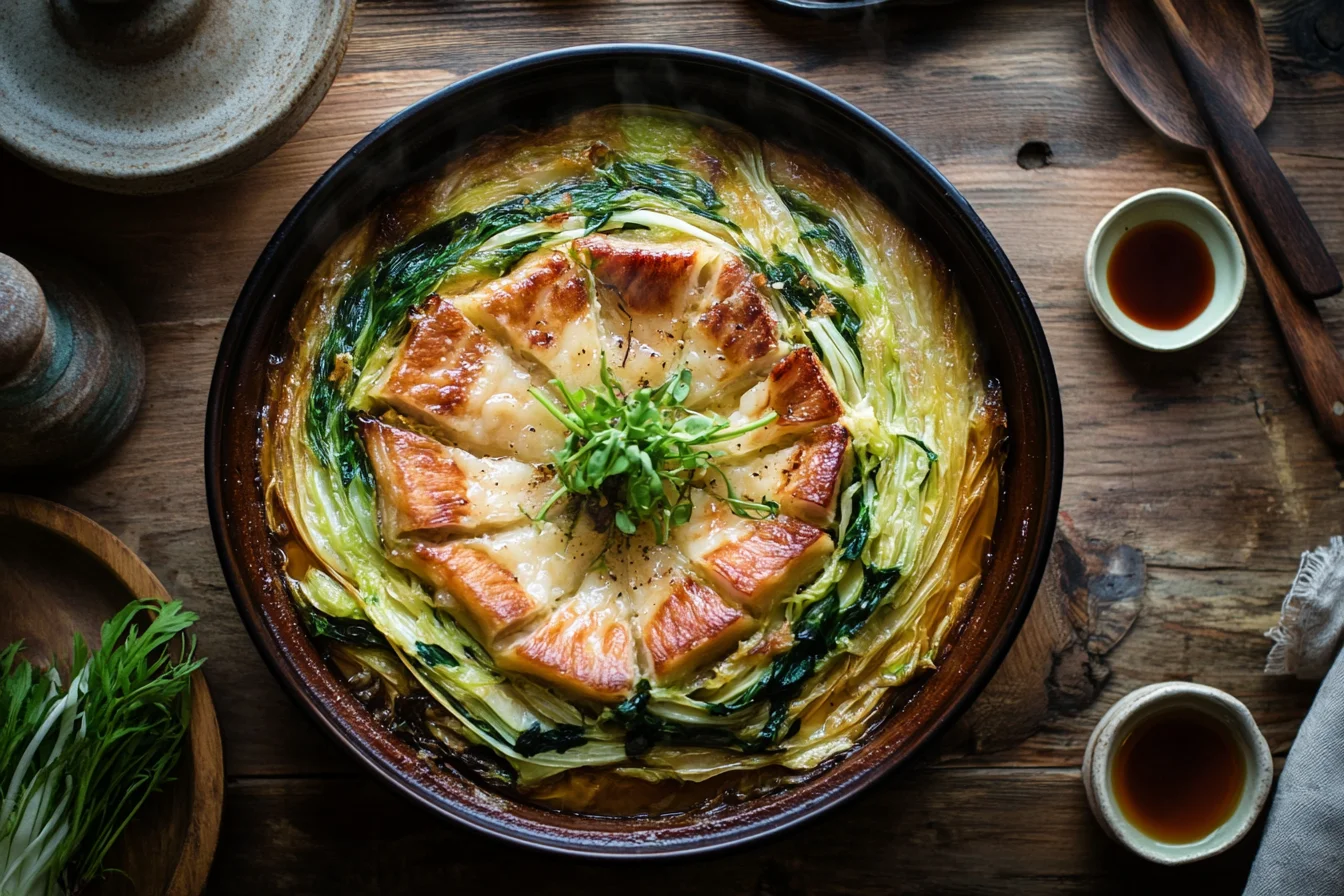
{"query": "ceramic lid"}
(223, 86)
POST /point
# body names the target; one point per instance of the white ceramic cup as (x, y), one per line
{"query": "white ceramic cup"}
(1210, 224)
(1143, 703)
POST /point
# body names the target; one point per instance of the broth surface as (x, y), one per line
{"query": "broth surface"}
(1161, 275)
(1178, 775)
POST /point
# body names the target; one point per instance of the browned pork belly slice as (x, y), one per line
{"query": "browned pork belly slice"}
(646, 292)
(682, 623)
(542, 311)
(652, 280)
(451, 376)
(732, 335)
(497, 581)
(425, 486)
(688, 625)
(800, 393)
(804, 478)
(584, 648)
(479, 593)
(777, 557)
(753, 562)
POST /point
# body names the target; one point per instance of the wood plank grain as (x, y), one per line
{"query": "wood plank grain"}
(1205, 462)
(1139, 429)
(932, 831)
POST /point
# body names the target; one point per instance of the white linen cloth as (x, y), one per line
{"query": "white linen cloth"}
(1300, 853)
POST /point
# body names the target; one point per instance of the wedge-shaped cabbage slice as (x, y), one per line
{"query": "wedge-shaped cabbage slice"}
(732, 336)
(753, 562)
(451, 376)
(542, 311)
(645, 292)
(585, 647)
(800, 393)
(481, 594)
(683, 624)
(804, 478)
(425, 486)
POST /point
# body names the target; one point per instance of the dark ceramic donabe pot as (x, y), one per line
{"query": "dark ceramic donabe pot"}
(540, 90)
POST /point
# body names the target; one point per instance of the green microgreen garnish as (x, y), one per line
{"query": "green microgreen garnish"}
(642, 451)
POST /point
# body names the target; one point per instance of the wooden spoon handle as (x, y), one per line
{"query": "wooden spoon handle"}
(1319, 367)
(1283, 223)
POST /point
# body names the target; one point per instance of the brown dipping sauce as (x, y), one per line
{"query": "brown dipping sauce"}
(1178, 775)
(1161, 275)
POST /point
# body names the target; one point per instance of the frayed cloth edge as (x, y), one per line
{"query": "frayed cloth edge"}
(1286, 653)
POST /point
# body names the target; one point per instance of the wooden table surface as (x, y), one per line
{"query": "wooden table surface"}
(1202, 470)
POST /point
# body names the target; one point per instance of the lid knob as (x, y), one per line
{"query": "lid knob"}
(127, 30)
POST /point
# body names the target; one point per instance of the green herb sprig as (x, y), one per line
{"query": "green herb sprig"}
(642, 451)
(77, 763)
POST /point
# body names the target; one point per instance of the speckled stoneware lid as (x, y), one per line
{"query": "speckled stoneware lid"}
(148, 96)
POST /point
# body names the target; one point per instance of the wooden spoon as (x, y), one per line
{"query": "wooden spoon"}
(1130, 40)
(1219, 60)
(1283, 222)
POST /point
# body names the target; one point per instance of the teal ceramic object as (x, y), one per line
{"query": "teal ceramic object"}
(72, 370)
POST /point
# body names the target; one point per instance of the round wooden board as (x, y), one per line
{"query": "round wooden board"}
(60, 573)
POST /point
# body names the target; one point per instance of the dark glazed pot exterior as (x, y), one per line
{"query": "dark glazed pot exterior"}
(532, 92)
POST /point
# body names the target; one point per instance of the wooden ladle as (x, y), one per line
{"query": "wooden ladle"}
(1131, 42)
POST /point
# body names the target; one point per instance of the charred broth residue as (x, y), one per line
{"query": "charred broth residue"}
(1161, 275)
(1178, 775)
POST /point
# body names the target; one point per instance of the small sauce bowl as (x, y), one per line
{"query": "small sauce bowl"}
(1213, 229)
(1144, 703)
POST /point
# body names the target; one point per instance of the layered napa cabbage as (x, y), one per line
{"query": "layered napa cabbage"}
(844, 276)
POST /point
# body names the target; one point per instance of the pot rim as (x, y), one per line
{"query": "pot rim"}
(1026, 577)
